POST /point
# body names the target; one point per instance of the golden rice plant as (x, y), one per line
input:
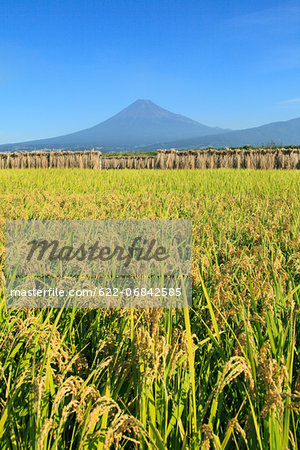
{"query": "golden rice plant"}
(224, 374)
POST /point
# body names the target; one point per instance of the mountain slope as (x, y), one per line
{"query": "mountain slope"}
(279, 133)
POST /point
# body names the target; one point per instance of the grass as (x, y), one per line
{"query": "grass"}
(222, 375)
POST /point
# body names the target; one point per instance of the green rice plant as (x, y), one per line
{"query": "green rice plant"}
(223, 374)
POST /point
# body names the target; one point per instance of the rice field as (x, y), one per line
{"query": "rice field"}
(224, 374)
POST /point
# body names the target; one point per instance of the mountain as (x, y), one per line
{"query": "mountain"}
(141, 123)
(146, 126)
(279, 133)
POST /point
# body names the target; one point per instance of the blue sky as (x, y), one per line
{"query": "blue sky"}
(67, 65)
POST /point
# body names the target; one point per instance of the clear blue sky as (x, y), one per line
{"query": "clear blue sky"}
(69, 64)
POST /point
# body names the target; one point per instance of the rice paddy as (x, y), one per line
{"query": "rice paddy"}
(224, 374)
